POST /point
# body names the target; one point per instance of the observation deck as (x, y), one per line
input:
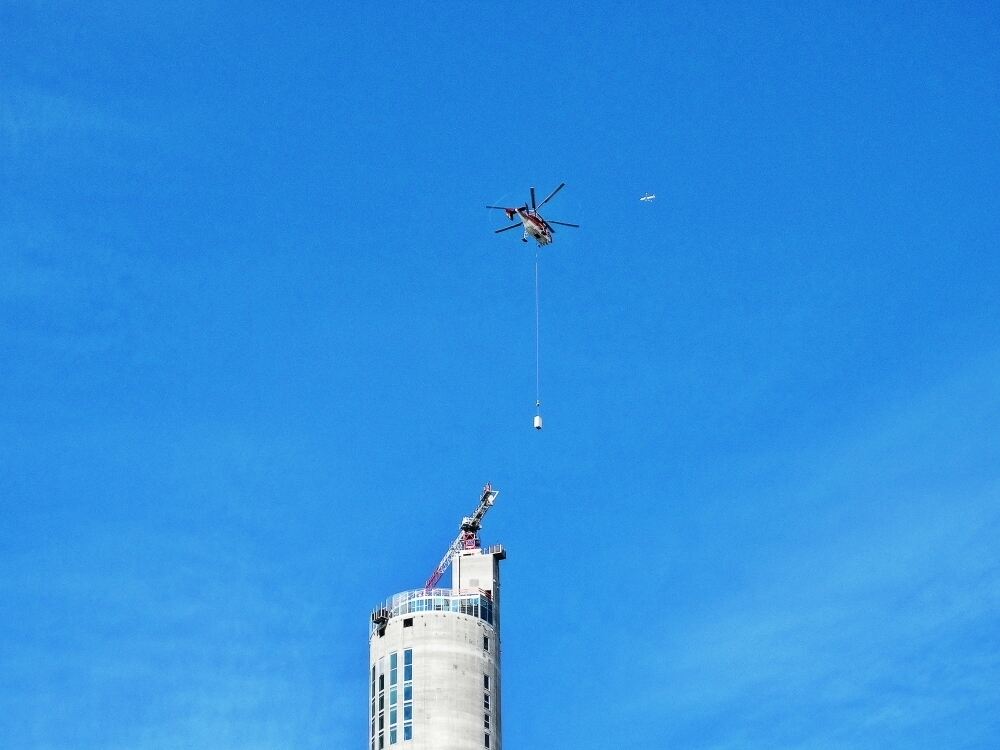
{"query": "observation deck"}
(474, 602)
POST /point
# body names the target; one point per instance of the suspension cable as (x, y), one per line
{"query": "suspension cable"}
(538, 396)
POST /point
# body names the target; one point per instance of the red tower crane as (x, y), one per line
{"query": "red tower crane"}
(468, 535)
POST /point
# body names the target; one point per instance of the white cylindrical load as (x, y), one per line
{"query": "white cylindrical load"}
(538, 421)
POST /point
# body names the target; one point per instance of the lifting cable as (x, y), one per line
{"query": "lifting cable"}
(538, 397)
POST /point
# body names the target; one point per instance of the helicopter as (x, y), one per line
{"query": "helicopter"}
(534, 225)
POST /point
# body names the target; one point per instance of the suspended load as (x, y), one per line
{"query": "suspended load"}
(542, 231)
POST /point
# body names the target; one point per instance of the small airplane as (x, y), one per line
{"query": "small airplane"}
(534, 225)
(648, 197)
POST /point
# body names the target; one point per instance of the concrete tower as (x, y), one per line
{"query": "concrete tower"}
(434, 656)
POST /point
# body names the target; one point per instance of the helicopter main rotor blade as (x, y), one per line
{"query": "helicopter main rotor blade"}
(552, 194)
(512, 226)
(533, 208)
(502, 208)
(562, 223)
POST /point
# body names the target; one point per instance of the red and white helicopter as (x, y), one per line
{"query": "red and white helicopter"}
(533, 223)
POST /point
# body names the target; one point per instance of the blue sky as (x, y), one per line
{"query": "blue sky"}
(260, 350)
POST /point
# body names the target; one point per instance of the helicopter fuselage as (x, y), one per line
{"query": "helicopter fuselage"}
(535, 227)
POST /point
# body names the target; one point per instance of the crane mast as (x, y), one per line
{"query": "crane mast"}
(468, 535)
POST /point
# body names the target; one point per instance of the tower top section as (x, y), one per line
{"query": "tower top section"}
(475, 591)
(475, 576)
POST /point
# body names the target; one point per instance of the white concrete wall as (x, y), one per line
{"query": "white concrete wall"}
(449, 663)
(472, 569)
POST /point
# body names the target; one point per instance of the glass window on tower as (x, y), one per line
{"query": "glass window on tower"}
(407, 694)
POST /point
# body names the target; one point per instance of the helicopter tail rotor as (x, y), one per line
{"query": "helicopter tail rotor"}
(511, 212)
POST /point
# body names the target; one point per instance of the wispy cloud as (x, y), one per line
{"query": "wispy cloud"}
(175, 628)
(62, 277)
(29, 114)
(64, 290)
(860, 657)
(881, 624)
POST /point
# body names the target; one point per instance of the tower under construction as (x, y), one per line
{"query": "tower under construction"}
(434, 653)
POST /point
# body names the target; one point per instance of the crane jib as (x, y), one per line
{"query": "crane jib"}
(468, 537)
